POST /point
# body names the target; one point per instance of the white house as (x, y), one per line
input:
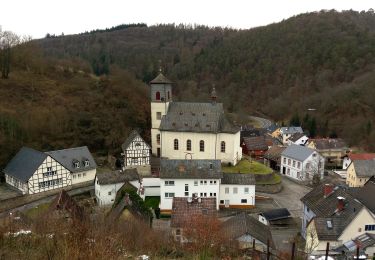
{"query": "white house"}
(136, 154)
(109, 183)
(348, 158)
(183, 130)
(188, 178)
(31, 171)
(237, 191)
(298, 139)
(287, 132)
(301, 163)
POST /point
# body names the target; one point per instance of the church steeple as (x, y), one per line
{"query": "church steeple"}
(213, 94)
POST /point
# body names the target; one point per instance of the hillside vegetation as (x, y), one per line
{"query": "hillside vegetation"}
(323, 60)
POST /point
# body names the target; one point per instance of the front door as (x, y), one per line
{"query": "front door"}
(284, 169)
(158, 152)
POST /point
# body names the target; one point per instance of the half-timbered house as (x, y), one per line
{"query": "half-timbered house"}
(32, 171)
(136, 154)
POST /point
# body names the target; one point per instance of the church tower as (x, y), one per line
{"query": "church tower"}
(161, 95)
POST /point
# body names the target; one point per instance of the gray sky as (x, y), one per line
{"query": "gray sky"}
(37, 17)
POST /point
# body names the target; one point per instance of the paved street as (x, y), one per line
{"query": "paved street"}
(263, 123)
(290, 196)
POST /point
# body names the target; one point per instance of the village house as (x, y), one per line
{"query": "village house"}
(107, 184)
(359, 172)
(301, 163)
(333, 150)
(272, 158)
(186, 210)
(244, 229)
(183, 130)
(31, 171)
(276, 217)
(204, 178)
(287, 132)
(298, 139)
(254, 146)
(348, 158)
(335, 215)
(136, 154)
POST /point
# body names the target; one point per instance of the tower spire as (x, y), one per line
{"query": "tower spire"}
(213, 94)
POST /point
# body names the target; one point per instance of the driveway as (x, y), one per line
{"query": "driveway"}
(290, 196)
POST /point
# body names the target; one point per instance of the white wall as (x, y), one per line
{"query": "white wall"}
(155, 123)
(357, 226)
(151, 186)
(195, 186)
(106, 194)
(346, 162)
(235, 199)
(212, 146)
(300, 173)
(83, 176)
(16, 183)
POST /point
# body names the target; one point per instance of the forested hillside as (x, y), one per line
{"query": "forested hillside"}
(323, 60)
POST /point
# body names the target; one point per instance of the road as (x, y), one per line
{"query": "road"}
(45, 200)
(290, 196)
(263, 123)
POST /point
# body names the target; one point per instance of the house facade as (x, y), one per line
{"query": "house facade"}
(237, 191)
(333, 150)
(287, 132)
(359, 172)
(348, 158)
(301, 163)
(183, 130)
(136, 154)
(31, 171)
(107, 185)
(188, 178)
(298, 139)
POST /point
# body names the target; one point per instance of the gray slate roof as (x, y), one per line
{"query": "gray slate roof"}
(365, 194)
(364, 168)
(197, 117)
(276, 214)
(160, 79)
(117, 177)
(257, 143)
(297, 152)
(25, 163)
(130, 138)
(67, 157)
(330, 144)
(325, 209)
(243, 224)
(291, 130)
(296, 136)
(190, 169)
(238, 178)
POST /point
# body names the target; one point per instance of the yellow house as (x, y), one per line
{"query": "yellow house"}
(332, 149)
(343, 226)
(359, 172)
(276, 133)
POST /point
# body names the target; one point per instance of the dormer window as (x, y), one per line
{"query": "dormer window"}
(87, 163)
(76, 164)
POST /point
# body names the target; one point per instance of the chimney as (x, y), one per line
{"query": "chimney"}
(340, 204)
(328, 189)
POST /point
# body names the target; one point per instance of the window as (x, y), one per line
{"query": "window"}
(288, 171)
(289, 161)
(235, 190)
(205, 182)
(169, 194)
(298, 165)
(222, 147)
(195, 183)
(49, 169)
(214, 182)
(294, 163)
(186, 187)
(169, 183)
(201, 182)
(188, 145)
(186, 194)
(175, 144)
(134, 160)
(284, 160)
(109, 193)
(211, 182)
(87, 163)
(246, 190)
(201, 146)
(178, 232)
(243, 200)
(369, 227)
(157, 95)
(158, 115)
(221, 201)
(158, 138)
(76, 164)
(74, 176)
(226, 190)
(84, 174)
(79, 175)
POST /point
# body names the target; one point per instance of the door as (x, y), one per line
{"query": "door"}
(226, 203)
(284, 169)
(158, 152)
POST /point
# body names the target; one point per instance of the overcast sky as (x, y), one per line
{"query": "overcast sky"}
(38, 17)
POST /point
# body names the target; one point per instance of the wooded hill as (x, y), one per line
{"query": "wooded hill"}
(323, 60)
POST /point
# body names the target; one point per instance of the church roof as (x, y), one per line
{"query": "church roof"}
(197, 117)
(190, 169)
(160, 79)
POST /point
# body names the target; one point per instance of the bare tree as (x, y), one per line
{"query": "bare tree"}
(8, 40)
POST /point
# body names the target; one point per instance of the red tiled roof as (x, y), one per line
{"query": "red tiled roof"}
(361, 156)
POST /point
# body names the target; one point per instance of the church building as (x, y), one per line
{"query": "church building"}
(189, 130)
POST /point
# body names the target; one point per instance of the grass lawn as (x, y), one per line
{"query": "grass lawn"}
(152, 202)
(275, 180)
(35, 212)
(245, 166)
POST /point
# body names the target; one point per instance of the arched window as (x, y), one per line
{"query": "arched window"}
(201, 145)
(175, 144)
(158, 138)
(157, 95)
(188, 145)
(222, 147)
